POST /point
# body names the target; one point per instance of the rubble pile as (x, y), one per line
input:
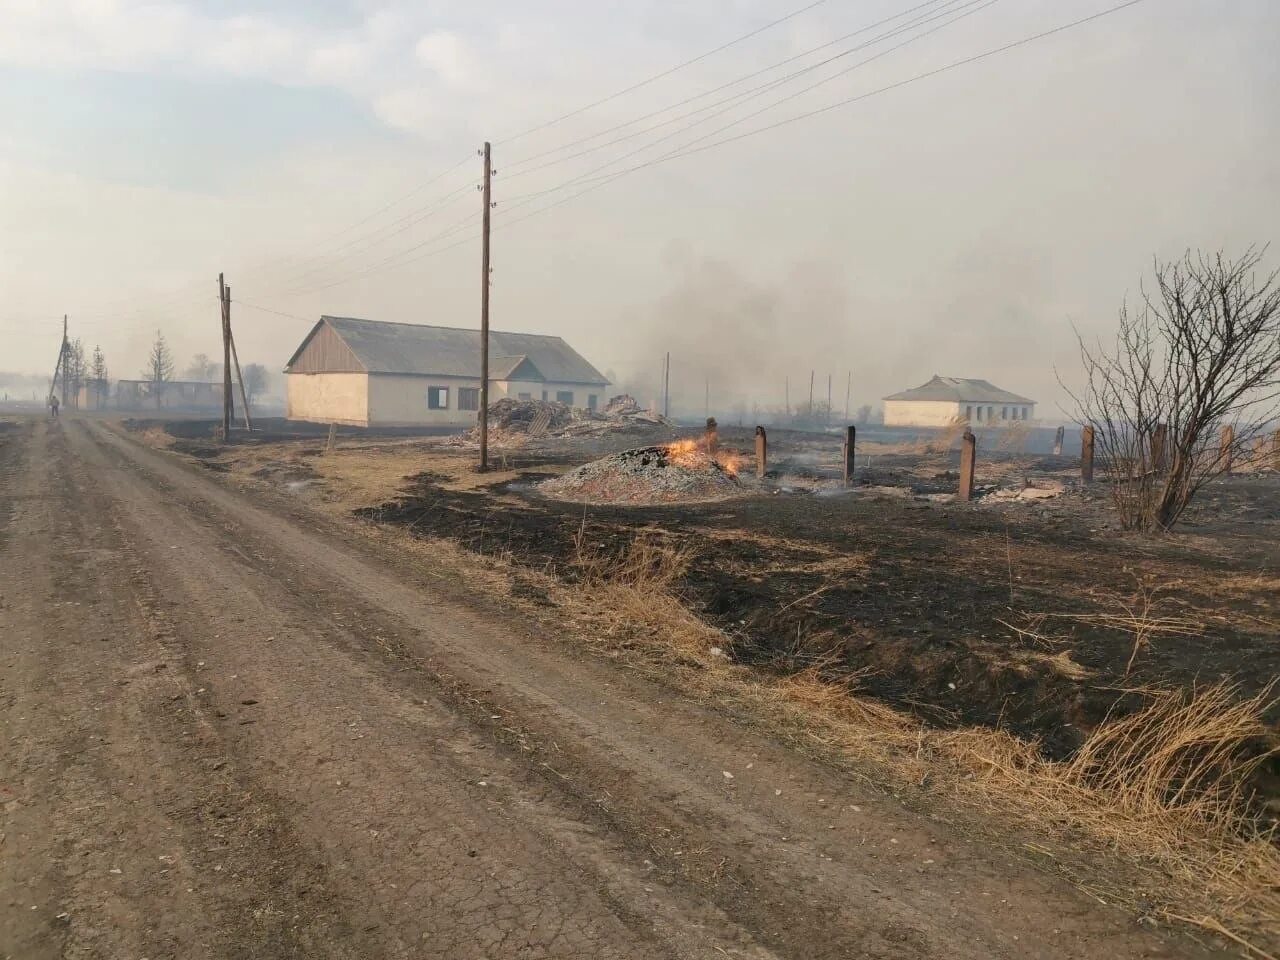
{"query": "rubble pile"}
(512, 422)
(677, 473)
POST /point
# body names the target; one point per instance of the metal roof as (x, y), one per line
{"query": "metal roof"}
(417, 349)
(961, 390)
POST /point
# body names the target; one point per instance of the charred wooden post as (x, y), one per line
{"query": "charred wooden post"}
(968, 455)
(851, 435)
(1158, 437)
(762, 452)
(1086, 454)
(712, 436)
(1226, 447)
(1057, 441)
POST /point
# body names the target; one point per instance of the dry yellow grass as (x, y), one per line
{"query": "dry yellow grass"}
(1160, 789)
(1157, 793)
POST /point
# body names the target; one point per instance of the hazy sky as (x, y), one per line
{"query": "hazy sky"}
(958, 225)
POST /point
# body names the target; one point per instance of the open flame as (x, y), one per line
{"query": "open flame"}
(693, 453)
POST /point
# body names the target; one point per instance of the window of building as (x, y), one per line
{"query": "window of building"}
(524, 396)
(1004, 413)
(979, 414)
(564, 396)
(437, 398)
(968, 411)
(592, 402)
(544, 396)
(468, 398)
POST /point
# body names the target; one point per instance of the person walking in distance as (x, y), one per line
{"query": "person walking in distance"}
(53, 405)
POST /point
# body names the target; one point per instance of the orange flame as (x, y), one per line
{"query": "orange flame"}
(692, 453)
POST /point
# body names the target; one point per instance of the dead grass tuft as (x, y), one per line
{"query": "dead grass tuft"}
(1164, 789)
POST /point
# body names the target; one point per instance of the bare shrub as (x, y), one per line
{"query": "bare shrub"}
(1201, 353)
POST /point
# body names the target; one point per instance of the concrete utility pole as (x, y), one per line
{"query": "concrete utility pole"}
(810, 394)
(226, 359)
(487, 191)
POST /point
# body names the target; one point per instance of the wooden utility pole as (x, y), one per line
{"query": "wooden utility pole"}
(848, 394)
(762, 452)
(1226, 446)
(828, 417)
(65, 354)
(810, 394)
(787, 394)
(850, 457)
(235, 358)
(1086, 455)
(226, 359)
(487, 191)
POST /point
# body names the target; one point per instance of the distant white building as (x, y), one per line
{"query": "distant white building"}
(947, 400)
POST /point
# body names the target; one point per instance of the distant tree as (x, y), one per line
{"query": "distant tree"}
(863, 414)
(1192, 380)
(98, 374)
(255, 381)
(75, 371)
(202, 369)
(159, 369)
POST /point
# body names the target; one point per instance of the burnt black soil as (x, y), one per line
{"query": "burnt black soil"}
(920, 619)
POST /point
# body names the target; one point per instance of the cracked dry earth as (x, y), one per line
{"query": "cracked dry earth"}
(230, 731)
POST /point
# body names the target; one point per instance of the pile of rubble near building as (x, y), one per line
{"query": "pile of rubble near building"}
(513, 422)
(679, 472)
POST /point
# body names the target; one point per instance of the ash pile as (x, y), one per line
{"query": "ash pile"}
(676, 473)
(513, 422)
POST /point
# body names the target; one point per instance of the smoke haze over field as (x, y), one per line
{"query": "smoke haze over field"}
(957, 225)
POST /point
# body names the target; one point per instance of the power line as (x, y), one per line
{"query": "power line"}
(714, 90)
(755, 92)
(278, 313)
(598, 182)
(408, 221)
(665, 73)
(957, 14)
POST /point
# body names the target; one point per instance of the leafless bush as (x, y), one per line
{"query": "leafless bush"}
(1201, 354)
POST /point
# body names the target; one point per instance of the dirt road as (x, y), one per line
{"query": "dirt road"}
(231, 732)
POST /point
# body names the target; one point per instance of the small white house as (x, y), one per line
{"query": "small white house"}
(947, 400)
(371, 374)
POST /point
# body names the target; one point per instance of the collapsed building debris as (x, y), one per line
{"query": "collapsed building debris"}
(676, 472)
(512, 421)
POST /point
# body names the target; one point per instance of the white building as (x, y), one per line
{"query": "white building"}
(365, 373)
(946, 400)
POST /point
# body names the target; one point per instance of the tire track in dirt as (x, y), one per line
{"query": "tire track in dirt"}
(117, 833)
(814, 875)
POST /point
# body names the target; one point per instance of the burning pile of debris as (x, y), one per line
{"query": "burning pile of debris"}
(677, 472)
(516, 421)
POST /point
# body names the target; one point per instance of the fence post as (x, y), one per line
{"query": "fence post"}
(762, 452)
(712, 436)
(1086, 454)
(1226, 447)
(1057, 441)
(1158, 437)
(850, 438)
(968, 454)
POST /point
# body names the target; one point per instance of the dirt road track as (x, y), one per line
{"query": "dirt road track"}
(230, 733)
